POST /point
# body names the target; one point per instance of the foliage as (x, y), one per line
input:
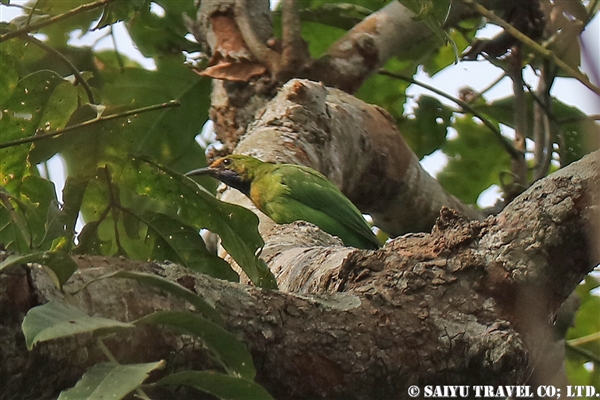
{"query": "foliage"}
(128, 133)
(56, 320)
(582, 338)
(132, 208)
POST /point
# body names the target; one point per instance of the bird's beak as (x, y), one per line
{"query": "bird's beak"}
(201, 171)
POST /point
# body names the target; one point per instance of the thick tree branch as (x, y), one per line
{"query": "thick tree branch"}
(450, 307)
(358, 147)
(384, 34)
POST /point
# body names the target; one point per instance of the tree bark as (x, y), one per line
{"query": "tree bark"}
(247, 62)
(358, 147)
(468, 304)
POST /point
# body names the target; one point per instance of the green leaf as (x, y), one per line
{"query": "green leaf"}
(186, 245)
(61, 105)
(58, 34)
(55, 320)
(89, 239)
(237, 226)
(72, 195)
(426, 132)
(86, 148)
(584, 289)
(14, 232)
(41, 211)
(95, 199)
(156, 35)
(60, 265)
(225, 387)
(578, 133)
(587, 323)
(21, 115)
(476, 160)
(121, 10)
(170, 287)
(110, 381)
(224, 346)
(8, 78)
(35, 215)
(145, 134)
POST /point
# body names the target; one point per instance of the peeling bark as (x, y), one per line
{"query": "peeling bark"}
(442, 308)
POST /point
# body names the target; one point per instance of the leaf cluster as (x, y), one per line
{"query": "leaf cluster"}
(104, 121)
(55, 320)
(125, 135)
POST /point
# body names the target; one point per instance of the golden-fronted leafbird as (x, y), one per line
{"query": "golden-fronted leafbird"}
(288, 193)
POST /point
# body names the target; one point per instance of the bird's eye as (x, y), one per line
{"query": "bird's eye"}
(227, 162)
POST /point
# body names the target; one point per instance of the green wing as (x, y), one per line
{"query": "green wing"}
(304, 194)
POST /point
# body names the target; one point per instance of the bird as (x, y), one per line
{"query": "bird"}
(288, 193)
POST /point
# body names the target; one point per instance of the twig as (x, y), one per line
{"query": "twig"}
(588, 354)
(117, 54)
(543, 124)
(78, 77)
(490, 86)
(31, 139)
(585, 339)
(514, 153)
(115, 206)
(31, 12)
(537, 48)
(265, 55)
(515, 71)
(33, 27)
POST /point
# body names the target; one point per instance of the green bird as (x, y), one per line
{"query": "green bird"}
(288, 193)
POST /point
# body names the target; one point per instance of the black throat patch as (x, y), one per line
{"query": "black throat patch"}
(231, 178)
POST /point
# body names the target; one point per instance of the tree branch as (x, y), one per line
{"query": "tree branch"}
(510, 149)
(78, 77)
(382, 321)
(34, 27)
(519, 165)
(294, 54)
(366, 47)
(323, 128)
(532, 44)
(265, 55)
(36, 138)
